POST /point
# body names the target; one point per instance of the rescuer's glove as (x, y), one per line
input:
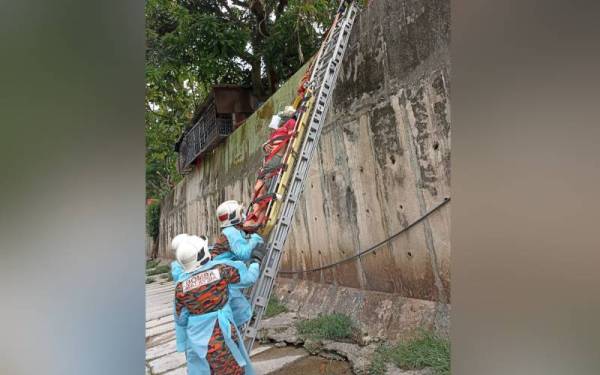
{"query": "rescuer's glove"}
(258, 253)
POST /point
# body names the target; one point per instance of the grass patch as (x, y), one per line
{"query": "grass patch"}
(274, 307)
(331, 327)
(152, 263)
(158, 270)
(427, 350)
(149, 280)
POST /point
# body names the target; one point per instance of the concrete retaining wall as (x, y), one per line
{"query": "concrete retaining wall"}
(382, 315)
(382, 162)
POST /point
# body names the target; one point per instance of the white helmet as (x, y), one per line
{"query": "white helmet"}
(177, 240)
(230, 213)
(192, 253)
(200, 242)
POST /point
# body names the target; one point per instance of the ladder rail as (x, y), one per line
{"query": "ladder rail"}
(324, 87)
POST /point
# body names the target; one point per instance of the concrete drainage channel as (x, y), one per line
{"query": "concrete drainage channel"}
(293, 360)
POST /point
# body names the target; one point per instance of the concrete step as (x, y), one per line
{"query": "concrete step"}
(154, 331)
(159, 321)
(167, 363)
(160, 350)
(157, 314)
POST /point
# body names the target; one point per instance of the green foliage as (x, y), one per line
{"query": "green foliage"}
(332, 327)
(427, 350)
(149, 280)
(152, 263)
(153, 220)
(158, 270)
(193, 45)
(274, 307)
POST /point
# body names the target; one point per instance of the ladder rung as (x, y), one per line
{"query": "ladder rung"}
(250, 332)
(260, 301)
(269, 271)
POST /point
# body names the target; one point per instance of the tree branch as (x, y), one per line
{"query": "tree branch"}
(240, 3)
(281, 7)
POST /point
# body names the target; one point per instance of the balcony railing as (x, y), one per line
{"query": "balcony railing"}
(203, 136)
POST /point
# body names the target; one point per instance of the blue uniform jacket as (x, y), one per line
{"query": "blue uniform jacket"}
(240, 249)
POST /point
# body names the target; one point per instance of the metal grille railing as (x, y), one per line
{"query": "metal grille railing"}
(206, 133)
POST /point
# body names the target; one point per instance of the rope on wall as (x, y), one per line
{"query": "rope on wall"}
(372, 248)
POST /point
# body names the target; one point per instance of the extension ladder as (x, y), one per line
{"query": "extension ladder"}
(323, 79)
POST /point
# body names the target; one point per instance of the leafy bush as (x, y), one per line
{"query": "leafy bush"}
(152, 263)
(427, 350)
(149, 280)
(333, 327)
(153, 219)
(275, 307)
(158, 270)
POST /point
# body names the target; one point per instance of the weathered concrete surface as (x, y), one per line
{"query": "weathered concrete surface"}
(379, 315)
(382, 162)
(383, 159)
(358, 352)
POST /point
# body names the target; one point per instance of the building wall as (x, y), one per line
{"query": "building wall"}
(383, 161)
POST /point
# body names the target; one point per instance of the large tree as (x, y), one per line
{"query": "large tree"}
(194, 44)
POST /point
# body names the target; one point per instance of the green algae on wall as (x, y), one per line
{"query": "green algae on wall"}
(247, 139)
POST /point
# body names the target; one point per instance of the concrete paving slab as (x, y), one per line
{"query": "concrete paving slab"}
(159, 321)
(160, 290)
(160, 299)
(166, 363)
(160, 350)
(160, 295)
(160, 307)
(159, 339)
(167, 327)
(156, 284)
(159, 313)
(179, 371)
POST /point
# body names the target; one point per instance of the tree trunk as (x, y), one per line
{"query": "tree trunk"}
(154, 253)
(259, 33)
(257, 85)
(273, 79)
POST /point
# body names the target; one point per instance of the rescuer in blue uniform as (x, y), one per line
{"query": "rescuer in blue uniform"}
(204, 324)
(235, 244)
